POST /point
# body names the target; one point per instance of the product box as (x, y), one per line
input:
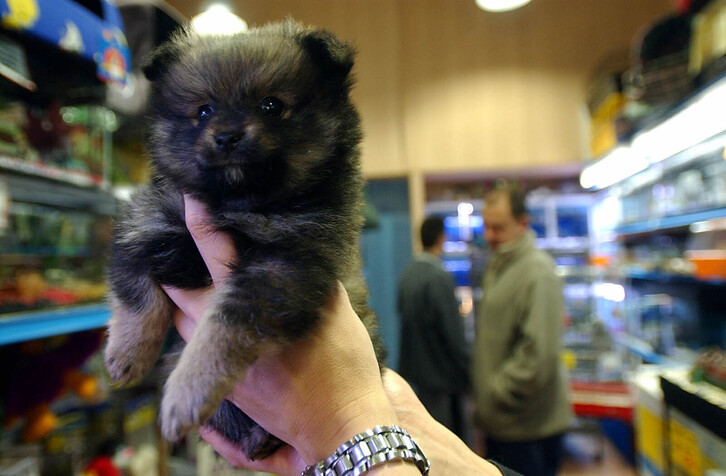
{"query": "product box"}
(649, 424)
(696, 426)
(694, 451)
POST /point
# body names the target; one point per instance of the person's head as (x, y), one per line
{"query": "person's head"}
(432, 233)
(505, 215)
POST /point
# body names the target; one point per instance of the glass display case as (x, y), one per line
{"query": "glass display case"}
(59, 60)
(54, 167)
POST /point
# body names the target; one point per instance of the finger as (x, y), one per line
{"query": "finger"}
(340, 315)
(215, 246)
(284, 461)
(338, 303)
(193, 302)
(184, 324)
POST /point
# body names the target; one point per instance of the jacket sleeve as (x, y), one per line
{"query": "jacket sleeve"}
(451, 325)
(535, 355)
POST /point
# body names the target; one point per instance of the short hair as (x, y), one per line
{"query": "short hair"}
(431, 229)
(513, 193)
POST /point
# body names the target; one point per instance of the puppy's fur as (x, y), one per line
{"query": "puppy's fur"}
(260, 128)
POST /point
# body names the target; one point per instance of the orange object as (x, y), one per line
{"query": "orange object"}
(600, 261)
(709, 264)
(85, 386)
(39, 422)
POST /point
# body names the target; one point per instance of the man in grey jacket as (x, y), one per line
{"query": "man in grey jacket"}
(519, 382)
(434, 355)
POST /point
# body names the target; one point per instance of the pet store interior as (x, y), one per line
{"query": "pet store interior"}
(609, 113)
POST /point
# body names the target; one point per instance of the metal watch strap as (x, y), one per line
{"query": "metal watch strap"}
(368, 449)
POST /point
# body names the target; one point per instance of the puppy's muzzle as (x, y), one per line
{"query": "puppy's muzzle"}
(227, 141)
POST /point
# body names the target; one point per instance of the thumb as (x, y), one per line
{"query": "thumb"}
(215, 246)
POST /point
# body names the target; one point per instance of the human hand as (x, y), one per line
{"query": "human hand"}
(445, 451)
(314, 394)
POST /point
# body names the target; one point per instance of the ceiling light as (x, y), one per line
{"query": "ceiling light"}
(500, 5)
(218, 19)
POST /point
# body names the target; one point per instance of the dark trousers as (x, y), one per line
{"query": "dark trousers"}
(446, 408)
(531, 458)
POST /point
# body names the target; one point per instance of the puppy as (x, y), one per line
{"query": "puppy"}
(259, 127)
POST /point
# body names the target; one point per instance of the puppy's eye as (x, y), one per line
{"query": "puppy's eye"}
(273, 107)
(205, 112)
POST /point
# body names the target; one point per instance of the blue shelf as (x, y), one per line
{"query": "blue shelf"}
(642, 349)
(674, 278)
(665, 223)
(36, 325)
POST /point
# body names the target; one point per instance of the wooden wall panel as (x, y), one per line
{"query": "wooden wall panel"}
(445, 87)
(485, 91)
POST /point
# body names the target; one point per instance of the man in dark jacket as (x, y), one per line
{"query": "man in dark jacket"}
(434, 356)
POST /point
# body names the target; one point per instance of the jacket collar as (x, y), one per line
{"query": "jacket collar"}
(430, 258)
(510, 251)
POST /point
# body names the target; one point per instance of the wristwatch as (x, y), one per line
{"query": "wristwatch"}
(368, 449)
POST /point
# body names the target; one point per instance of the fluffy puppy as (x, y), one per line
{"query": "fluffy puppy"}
(259, 126)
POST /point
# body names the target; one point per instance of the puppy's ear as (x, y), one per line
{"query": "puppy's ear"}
(160, 59)
(334, 57)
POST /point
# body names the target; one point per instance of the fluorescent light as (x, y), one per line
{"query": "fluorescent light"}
(500, 5)
(617, 165)
(218, 19)
(697, 128)
(698, 121)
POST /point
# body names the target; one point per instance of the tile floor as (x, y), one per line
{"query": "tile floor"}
(592, 455)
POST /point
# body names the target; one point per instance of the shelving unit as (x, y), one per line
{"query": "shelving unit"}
(662, 203)
(670, 222)
(669, 278)
(77, 178)
(652, 212)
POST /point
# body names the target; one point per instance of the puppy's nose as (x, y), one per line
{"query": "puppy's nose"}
(228, 140)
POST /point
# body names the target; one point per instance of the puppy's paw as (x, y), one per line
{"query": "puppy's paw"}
(186, 404)
(238, 428)
(127, 361)
(135, 338)
(259, 444)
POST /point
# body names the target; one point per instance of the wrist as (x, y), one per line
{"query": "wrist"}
(381, 448)
(395, 467)
(356, 416)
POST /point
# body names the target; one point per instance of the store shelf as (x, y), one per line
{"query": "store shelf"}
(31, 189)
(666, 223)
(674, 278)
(77, 178)
(36, 325)
(642, 349)
(47, 251)
(602, 400)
